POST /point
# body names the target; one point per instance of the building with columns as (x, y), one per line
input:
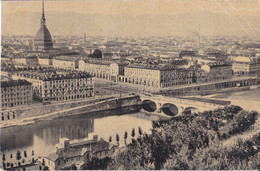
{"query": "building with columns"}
(157, 77)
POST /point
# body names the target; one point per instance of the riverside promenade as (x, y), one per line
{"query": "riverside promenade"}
(92, 104)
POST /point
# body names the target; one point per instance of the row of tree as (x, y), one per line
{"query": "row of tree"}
(140, 132)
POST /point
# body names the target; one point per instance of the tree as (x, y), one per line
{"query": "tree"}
(3, 164)
(133, 133)
(140, 131)
(3, 158)
(110, 139)
(73, 167)
(18, 155)
(96, 164)
(45, 168)
(117, 139)
(25, 154)
(125, 137)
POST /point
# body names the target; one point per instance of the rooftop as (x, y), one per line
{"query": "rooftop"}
(14, 83)
(156, 67)
(100, 62)
(47, 75)
(52, 157)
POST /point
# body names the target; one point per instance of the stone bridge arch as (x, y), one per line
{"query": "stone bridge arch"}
(190, 110)
(170, 109)
(149, 105)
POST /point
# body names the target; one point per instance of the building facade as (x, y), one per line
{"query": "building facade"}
(64, 64)
(50, 86)
(157, 77)
(220, 72)
(240, 68)
(30, 60)
(99, 69)
(15, 93)
(77, 153)
(142, 76)
(45, 61)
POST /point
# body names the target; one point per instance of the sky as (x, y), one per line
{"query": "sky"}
(133, 17)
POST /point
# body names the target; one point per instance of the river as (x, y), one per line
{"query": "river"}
(247, 99)
(42, 137)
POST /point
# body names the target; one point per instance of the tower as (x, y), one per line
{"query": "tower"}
(43, 39)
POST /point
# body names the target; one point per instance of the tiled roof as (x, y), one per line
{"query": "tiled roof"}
(52, 156)
(14, 83)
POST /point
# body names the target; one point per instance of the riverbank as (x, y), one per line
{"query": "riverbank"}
(30, 116)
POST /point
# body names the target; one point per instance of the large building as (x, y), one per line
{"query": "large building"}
(96, 68)
(220, 72)
(69, 153)
(29, 60)
(49, 85)
(109, 70)
(65, 63)
(240, 65)
(157, 77)
(15, 93)
(43, 39)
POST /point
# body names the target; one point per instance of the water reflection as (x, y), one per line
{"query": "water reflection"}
(43, 136)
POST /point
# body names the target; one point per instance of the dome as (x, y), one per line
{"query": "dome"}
(97, 54)
(43, 39)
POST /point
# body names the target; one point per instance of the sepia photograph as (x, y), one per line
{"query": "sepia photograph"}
(130, 85)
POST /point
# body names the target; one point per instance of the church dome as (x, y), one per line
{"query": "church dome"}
(43, 39)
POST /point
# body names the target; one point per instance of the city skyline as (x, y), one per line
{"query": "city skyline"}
(133, 18)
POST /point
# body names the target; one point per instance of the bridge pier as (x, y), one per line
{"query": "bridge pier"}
(158, 108)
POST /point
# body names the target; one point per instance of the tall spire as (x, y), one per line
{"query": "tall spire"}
(43, 17)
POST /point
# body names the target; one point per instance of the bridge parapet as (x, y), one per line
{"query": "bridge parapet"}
(181, 101)
(182, 105)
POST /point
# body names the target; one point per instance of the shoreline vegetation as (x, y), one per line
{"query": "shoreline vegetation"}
(227, 138)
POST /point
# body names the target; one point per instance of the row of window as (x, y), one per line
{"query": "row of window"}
(4, 90)
(76, 90)
(67, 85)
(16, 103)
(17, 98)
(15, 94)
(66, 81)
(8, 117)
(67, 97)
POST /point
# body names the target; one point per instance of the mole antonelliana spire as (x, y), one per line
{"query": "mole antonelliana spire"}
(43, 17)
(43, 40)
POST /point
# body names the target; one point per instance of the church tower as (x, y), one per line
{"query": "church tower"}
(43, 40)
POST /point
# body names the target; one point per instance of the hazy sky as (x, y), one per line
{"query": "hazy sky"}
(134, 17)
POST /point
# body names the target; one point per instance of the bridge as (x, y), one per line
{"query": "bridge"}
(174, 106)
